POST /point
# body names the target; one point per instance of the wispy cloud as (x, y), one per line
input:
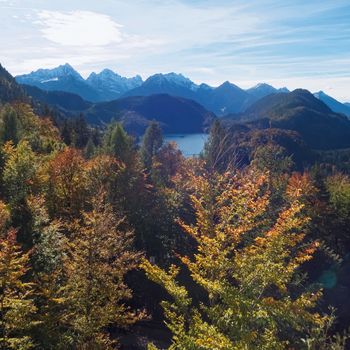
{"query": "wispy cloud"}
(79, 28)
(297, 42)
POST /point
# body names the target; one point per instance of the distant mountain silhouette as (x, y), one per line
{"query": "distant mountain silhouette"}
(226, 98)
(171, 84)
(262, 90)
(63, 78)
(108, 86)
(175, 114)
(333, 104)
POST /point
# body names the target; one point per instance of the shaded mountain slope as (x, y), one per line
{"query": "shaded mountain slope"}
(300, 111)
(175, 114)
(333, 104)
(10, 91)
(64, 101)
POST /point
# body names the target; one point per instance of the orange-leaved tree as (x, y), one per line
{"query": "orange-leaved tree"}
(248, 263)
(66, 194)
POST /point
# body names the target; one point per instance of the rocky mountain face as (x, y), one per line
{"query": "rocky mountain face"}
(103, 86)
(108, 85)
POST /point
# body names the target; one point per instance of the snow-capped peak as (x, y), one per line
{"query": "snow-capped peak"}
(54, 74)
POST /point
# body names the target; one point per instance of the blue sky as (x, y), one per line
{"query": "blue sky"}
(300, 43)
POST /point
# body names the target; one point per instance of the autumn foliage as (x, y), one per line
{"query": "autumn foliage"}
(249, 266)
(97, 229)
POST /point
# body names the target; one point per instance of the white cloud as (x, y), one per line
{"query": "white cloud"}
(287, 42)
(79, 28)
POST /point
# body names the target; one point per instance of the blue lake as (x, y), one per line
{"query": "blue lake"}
(189, 144)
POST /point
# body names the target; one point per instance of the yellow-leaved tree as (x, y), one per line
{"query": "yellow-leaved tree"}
(98, 255)
(17, 308)
(248, 263)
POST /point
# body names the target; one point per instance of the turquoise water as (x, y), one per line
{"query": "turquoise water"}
(189, 144)
(328, 279)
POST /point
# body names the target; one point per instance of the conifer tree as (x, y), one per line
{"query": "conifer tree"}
(90, 149)
(48, 274)
(9, 125)
(118, 143)
(151, 143)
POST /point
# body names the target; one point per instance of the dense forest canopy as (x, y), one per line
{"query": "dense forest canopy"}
(111, 242)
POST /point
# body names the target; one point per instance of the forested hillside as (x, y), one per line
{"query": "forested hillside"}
(107, 243)
(9, 90)
(299, 111)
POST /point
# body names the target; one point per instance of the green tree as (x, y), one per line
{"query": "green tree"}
(272, 157)
(20, 178)
(48, 274)
(338, 188)
(19, 172)
(118, 143)
(90, 149)
(219, 150)
(151, 144)
(9, 125)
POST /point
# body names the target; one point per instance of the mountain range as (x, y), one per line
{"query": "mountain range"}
(103, 86)
(261, 108)
(226, 98)
(107, 86)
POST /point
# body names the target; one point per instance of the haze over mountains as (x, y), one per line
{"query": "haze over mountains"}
(312, 117)
(96, 88)
(108, 85)
(333, 104)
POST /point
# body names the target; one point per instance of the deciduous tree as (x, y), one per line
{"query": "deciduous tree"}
(97, 259)
(248, 264)
(17, 309)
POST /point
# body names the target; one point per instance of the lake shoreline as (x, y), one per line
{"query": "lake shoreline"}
(190, 145)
